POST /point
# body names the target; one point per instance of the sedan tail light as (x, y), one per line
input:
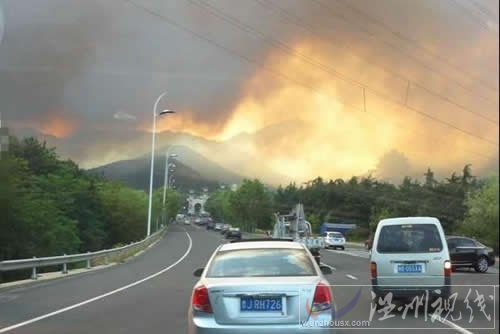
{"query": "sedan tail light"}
(200, 300)
(322, 298)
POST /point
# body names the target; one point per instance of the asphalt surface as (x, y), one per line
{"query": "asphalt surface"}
(151, 294)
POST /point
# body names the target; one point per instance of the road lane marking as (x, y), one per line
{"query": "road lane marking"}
(351, 276)
(361, 254)
(107, 294)
(452, 325)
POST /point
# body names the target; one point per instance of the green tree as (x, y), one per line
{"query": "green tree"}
(481, 220)
(315, 221)
(430, 181)
(40, 159)
(126, 213)
(50, 206)
(214, 205)
(173, 204)
(251, 206)
(32, 223)
(376, 216)
(467, 177)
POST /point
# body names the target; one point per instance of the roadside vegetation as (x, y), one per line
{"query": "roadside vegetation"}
(250, 207)
(50, 206)
(464, 204)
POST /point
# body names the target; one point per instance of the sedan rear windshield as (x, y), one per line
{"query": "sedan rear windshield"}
(420, 238)
(261, 262)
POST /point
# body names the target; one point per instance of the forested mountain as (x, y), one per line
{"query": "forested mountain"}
(192, 171)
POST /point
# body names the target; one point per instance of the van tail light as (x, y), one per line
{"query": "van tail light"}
(447, 268)
(322, 298)
(200, 300)
(373, 269)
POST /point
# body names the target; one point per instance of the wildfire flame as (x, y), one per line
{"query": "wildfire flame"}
(337, 136)
(58, 125)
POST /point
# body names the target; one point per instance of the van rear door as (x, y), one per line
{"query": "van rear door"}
(411, 255)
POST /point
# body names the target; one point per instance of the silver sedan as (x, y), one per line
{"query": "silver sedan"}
(252, 287)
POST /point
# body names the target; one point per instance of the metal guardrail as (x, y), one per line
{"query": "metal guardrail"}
(34, 263)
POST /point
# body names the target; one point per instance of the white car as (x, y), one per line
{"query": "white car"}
(410, 258)
(261, 287)
(334, 240)
(187, 222)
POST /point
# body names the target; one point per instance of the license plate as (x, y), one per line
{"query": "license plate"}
(255, 304)
(409, 268)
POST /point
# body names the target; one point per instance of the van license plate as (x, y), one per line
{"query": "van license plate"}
(409, 268)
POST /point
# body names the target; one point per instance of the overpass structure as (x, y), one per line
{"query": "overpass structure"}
(196, 203)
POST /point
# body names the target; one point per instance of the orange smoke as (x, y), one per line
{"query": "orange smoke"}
(336, 136)
(186, 122)
(58, 125)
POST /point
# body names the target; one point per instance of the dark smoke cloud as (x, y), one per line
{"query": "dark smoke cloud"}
(94, 58)
(87, 60)
(98, 57)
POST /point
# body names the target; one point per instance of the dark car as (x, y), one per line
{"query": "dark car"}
(210, 224)
(469, 253)
(233, 234)
(225, 228)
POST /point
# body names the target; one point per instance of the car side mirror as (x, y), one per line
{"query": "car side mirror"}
(325, 270)
(198, 272)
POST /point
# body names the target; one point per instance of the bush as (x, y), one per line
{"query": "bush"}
(359, 234)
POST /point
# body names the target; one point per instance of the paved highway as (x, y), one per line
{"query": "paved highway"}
(150, 294)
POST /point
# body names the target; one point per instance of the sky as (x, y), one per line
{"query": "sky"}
(293, 88)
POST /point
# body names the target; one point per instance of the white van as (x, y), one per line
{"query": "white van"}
(409, 257)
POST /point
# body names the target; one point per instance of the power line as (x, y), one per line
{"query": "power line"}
(421, 47)
(415, 42)
(484, 157)
(235, 22)
(472, 14)
(484, 11)
(222, 47)
(308, 28)
(277, 73)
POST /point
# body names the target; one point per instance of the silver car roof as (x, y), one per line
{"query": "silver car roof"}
(261, 244)
(409, 220)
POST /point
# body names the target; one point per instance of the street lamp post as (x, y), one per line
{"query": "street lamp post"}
(155, 115)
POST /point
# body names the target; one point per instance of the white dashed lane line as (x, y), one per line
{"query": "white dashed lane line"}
(357, 253)
(351, 277)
